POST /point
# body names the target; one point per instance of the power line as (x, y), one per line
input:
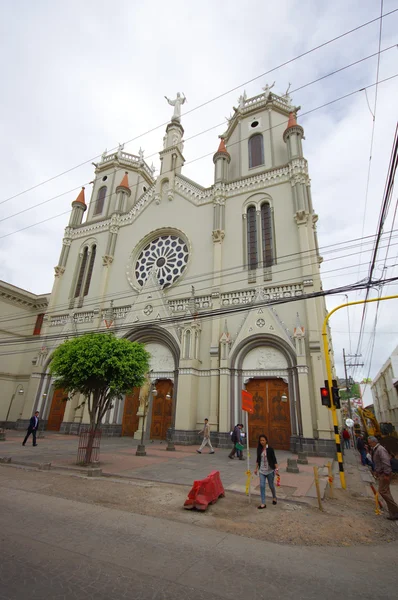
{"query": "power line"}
(285, 63)
(208, 276)
(210, 314)
(211, 153)
(345, 67)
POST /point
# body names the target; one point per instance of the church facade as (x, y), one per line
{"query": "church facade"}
(212, 280)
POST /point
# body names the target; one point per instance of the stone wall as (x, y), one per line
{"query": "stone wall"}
(189, 437)
(312, 446)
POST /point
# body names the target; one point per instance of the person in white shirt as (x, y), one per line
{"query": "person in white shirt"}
(206, 438)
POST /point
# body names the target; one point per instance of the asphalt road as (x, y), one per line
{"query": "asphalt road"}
(53, 548)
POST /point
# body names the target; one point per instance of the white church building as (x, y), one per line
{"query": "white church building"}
(193, 273)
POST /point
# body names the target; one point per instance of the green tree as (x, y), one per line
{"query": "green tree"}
(102, 368)
(354, 392)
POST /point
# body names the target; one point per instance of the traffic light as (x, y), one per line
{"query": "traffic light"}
(325, 395)
(336, 394)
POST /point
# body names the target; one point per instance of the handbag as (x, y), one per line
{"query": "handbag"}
(239, 446)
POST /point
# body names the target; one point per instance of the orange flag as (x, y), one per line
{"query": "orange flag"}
(247, 402)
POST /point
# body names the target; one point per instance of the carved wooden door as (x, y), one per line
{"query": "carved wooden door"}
(57, 410)
(130, 420)
(279, 414)
(162, 409)
(271, 414)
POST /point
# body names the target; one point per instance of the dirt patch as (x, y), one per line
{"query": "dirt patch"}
(348, 519)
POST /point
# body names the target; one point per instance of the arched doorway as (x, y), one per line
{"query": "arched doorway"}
(130, 419)
(271, 412)
(57, 410)
(162, 404)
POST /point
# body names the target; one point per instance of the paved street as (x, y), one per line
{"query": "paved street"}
(57, 548)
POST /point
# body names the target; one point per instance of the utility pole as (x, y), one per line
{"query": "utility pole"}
(348, 390)
(328, 365)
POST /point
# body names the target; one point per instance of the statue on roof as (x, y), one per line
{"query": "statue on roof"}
(120, 150)
(141, 154)
(177, 102)
(242, 99)
(286, 96)
(267, 88)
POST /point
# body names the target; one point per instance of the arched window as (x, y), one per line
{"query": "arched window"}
(187, 349)
(252, 256)
(82, 269)
(266, 235)
(90, 270)
(256, 151)
(99, 203)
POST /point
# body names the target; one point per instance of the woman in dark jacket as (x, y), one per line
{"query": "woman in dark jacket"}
(266, 465)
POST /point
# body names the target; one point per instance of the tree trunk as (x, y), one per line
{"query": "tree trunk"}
(91, 434)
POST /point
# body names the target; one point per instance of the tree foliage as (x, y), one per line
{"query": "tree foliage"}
(354, 392)
(101, 367)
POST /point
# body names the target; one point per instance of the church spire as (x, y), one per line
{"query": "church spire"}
(292, 136)
(78, 208)
(221, 160)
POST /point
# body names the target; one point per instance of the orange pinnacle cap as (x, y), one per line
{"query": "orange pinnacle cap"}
(125, 182)
(292, 120)
(80, 197)
(222, 147)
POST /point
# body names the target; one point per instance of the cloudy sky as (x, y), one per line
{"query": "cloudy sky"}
(82, 76)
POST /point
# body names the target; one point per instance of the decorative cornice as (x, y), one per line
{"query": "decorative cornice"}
(20, 297)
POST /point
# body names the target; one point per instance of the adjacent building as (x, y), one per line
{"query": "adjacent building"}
(385, 391)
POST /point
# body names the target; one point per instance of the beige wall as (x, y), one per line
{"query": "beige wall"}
(18, 313)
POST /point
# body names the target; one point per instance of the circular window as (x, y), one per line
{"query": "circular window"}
(254, 124)
(168, 254)
(105, 177)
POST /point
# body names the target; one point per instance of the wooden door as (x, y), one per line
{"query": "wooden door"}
(162, 409)
(130, 420)
(57, 410)
(271, 414)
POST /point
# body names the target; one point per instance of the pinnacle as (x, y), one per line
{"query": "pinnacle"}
(80, 197)
(222, 147)
(125, 181)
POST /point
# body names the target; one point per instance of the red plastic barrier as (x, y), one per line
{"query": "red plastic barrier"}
(205, 492)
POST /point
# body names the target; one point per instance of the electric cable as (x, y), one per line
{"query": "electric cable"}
(207, 102)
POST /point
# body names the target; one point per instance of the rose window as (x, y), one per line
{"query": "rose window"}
(168, 254)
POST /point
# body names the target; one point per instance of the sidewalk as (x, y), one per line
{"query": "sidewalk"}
(118, 459)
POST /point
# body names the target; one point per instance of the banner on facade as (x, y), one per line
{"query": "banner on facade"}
(247, 402)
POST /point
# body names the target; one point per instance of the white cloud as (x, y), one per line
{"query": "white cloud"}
(85, 76)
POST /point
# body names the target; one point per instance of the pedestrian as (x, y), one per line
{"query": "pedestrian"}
(32, 429)
(206, 438)
(239, 448)
(236, 439)
(361, 449)
(266, 465)
(346, 438)
(382, 471)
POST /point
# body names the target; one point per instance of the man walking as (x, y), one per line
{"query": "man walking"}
(382, 469)
(206, 438)
(361, 449)
(346, 438)
(32, 429)
(236, 439)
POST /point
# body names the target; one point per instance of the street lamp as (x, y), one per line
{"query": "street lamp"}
(141, 447)
(41, 436)
(19, 391)
(170, 441)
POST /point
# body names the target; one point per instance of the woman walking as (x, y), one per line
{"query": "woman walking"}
(266, 465)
